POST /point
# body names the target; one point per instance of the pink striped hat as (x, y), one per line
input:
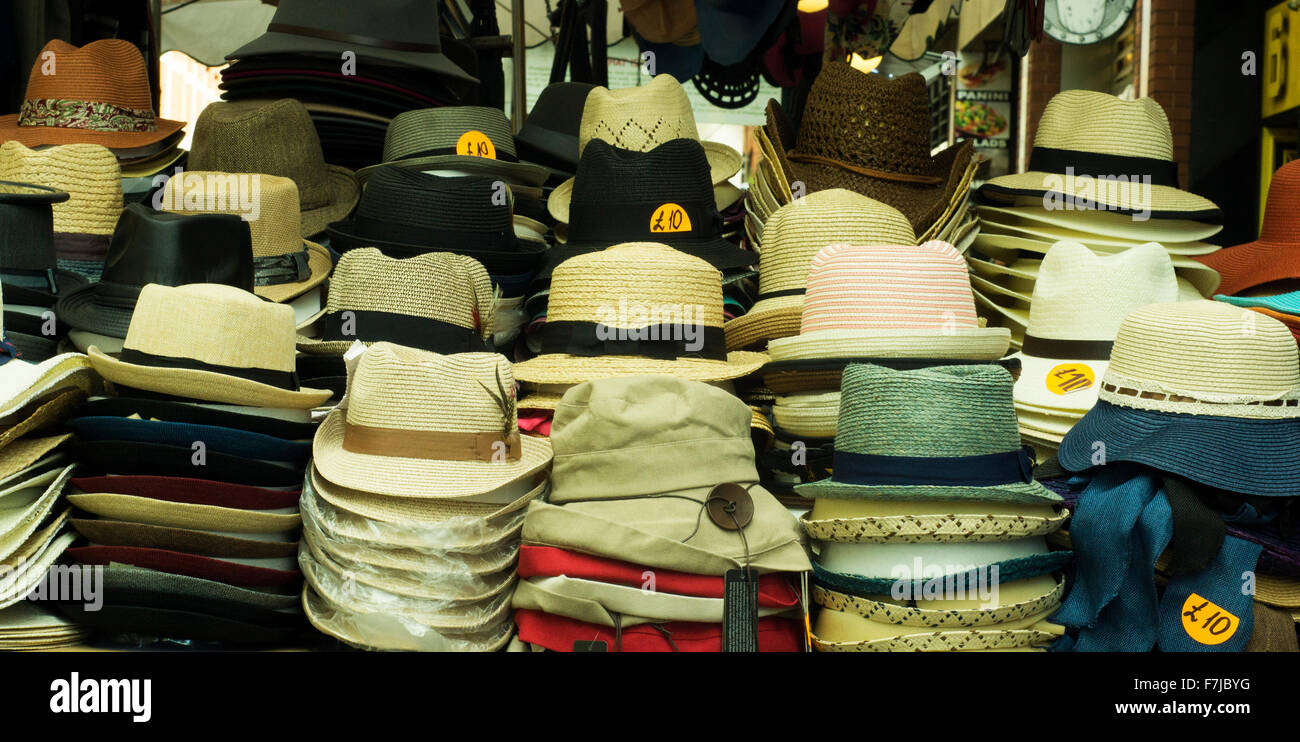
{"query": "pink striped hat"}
(890, 301)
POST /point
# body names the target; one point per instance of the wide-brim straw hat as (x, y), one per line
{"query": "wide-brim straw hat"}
(150, 511)
(26, 504)
(1104, 135)
(928, 521)
(1275, 256)
(18, 583)
(1100, 231)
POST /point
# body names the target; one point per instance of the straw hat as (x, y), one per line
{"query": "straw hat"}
(24, 506)
(959, 418)
(89, 174)
(926, 521)
(1201, 389)
(184, 515)
(1097, 134)
(1079, 301)
(1097, 229)
(97, 94)
(212, 343)
(609, 312)
(1275, 256)
(791, 237)
(419, 424)
(463, 139)
(284, 264)
(275, 138)
(108, 532)
(895, 301)
(25, 386)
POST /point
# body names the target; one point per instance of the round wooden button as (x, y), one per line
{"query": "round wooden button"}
(730, 506)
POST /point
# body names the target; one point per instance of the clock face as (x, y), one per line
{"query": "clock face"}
(1085, 21)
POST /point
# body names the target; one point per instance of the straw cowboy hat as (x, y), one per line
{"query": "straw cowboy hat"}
(637, 308)
(1275, 256)
(1175, 398)
(640, 119)
(1079, 301)
(462, 139)
(960, 419)
(96, 94)
(791, 237)
(90, 175)
(275, 138)
(212, 343)
(452, 432)
(871, 135)
(439, 302)
(1094, 136)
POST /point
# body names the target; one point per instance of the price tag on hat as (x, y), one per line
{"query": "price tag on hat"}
(1206, 622)
(476, 144)
(1067, 378)
(669, 218)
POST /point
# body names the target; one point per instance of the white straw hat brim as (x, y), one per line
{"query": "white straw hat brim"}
(561, 368)
(1032, 387)
(1162, 200)
(974, 343)
(1096, 227)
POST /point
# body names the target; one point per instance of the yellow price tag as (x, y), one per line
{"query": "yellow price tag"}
(476, 144)
(1068, 378)
(670, 218)
(1206, 622)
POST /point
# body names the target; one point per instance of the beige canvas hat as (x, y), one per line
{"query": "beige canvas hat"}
(423, 425)
(284, 264)
(90, 174)
(635, 308)
(439, 302)
(791, 237)
(211, 343)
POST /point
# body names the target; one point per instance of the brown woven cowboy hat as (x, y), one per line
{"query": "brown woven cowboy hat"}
(870, 134)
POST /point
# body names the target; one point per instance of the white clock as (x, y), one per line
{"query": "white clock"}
(1085, 21)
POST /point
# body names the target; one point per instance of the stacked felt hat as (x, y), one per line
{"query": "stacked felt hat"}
(1190, 458)
(189, 473)
(656, 535)
(1101, 173)
(415, 501)
(355, 67)
(930, 534)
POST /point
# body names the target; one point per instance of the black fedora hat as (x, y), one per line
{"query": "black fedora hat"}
(27, 257)
(171, 249)
(406, 213)
(550, 133)
(664, 195)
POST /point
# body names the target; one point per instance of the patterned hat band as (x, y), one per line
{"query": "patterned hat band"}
(67, 113)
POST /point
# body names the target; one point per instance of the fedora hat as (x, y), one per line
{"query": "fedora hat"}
(275, 138)
(1175, 398)
(27, 254)
(90, 175)
(189, 490)
(1275, 256)
(550, 133)
(870, 134)
(662, 195)
(97, 94)
(406, 212)
(903, 301)
(640, 119)
(947, 432)
(285, 265)
(117, 457)
(470, 139)
(1079, 300)
(212, 343)
(879, 569)
(631, 309)
(405, 32)
(186, 515)
(1094, 137)
(155, 247)
(439, 302)
(791, 238)
(451, 433)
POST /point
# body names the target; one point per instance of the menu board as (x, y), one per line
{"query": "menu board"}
(984, 112)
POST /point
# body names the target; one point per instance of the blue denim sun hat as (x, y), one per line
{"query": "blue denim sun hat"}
(1288, 303)
(1202, 389)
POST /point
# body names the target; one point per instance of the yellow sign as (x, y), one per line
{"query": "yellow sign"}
(476, 144)
(670, 218)
(1206, 622)
(1068, 378)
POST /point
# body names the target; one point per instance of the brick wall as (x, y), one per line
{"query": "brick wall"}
(1170, 70)
(1044, 61)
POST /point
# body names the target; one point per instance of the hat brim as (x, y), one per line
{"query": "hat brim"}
(344, 194)
(207, 386)
(83, 310)
(66, 282)
(376, 631)
(931, 528)
(320, 264)
(524, 259)
(767, 320)
(522, 173)
(717, 252)
(154, 512)
(1014, 492)
(190, 540)
(39, 136)
(1254, 457)
(274, 42)
(562, 368)
(1242, 267)
(982, 343)
(1165, 202)
(724, 162)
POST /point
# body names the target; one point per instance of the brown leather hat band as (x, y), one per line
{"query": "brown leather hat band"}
(430, 444)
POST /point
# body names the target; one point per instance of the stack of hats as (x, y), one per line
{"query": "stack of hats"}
(355, 66)
(867, 134)
(412, 514)
(1262, 275)
(1102, 174)
(656, 535)
(188, 478)
(930, 535)
(1191, 455)
(1079, 300)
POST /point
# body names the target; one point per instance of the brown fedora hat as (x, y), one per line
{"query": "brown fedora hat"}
(275, 138)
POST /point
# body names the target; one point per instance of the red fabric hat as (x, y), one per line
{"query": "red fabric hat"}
(193, 491)
(558, 633)
(1275, 256)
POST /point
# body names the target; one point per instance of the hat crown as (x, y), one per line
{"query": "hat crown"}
(1080, 295)
(275, 138)
(89, 173)
(110, 71)
(175, 249)
(634, 285)
(798, 230)
(559, 107)
(1280, 224)
(857, 287)
(215, 324)
(440, 286)
(638, 118)
(434, 130)
(1090, 121)
(676, 171)
(928, 412)
(272, 200)
(465, 204)
(410, 21)
(404, 388)
(868, 120)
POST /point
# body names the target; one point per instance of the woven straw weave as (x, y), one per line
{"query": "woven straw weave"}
(945, 641)
(638, 118)
(109, 71)
(1080, 295)
(274, 231)
(932, 529)
(1091, 121)
(413, 132)
(217, 324)
(88, 172)
(416, 199)
(905, 615)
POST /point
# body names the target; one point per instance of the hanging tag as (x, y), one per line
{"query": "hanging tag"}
(807, 613)
(740, 610)
(590, 646)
